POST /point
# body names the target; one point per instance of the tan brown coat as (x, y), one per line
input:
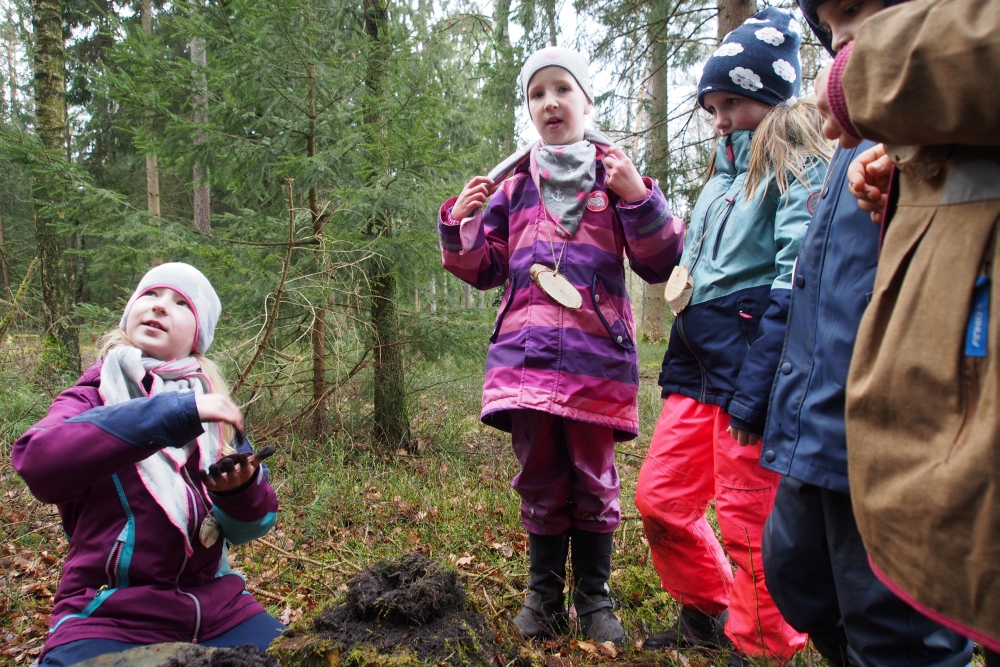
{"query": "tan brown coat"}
(923, 420)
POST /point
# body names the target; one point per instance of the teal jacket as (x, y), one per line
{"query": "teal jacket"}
(725, 346)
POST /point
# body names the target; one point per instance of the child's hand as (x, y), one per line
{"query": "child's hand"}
(831, 128)
(868, 180)
(745, 438)
(622, 177)
(233, 471)
(474, 195)
(218, 408)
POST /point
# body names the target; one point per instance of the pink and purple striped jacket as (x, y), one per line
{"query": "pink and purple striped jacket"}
(579, 364)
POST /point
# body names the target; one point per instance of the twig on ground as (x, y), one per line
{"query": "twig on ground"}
(306, 559)
(257, 590)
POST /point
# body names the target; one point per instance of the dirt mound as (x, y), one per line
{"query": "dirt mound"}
(408, 610)
(411, 590)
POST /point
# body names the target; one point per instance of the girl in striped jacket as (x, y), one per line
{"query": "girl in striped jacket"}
(562, 373)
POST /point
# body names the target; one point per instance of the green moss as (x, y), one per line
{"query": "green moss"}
(367, 656)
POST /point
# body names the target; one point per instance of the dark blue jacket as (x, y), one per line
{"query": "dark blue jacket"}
(724, 347)
(834, 274)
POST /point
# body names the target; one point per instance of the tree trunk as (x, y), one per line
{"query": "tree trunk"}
(732, 14)
(391, 423)
(152, 185)
(61, 344)
(319, 324)
(432, 294)
(550, 20)
(654, 306)
(3, 260)
(504, 95)
(202, 198)
(466, 296)
(501, 24)
(152, 170)
(11, 71)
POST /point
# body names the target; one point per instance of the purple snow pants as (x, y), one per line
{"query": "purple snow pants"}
(568, 477)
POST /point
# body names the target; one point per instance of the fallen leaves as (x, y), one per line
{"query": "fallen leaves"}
(289, 615)
(28, 575)
(506, 550)
(606, 649)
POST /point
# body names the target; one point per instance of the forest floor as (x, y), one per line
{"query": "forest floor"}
(345, 507)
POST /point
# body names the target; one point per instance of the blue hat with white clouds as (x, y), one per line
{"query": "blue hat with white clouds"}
(758, 60)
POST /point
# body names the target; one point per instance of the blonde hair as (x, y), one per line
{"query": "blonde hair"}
(216, 379)
(783, 143)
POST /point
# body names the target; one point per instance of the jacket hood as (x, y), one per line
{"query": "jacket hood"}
(92, 376)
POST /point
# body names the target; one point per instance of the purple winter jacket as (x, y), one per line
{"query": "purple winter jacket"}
(578, 364)
(126, 576)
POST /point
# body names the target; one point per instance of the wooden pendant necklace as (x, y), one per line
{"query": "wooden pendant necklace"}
(680, 284)
(679, 289)
(554, 284)
(210, 529)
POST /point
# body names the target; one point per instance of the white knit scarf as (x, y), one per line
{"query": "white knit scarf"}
(121, 380)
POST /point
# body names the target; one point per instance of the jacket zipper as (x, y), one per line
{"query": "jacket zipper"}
(111, 566)
(704, 223)
(194, 599)
(701, 368)
(192, 494)
(744, 318)
(722, 228)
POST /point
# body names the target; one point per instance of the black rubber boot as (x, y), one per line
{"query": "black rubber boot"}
(693, 629)
(592, 599)
(543, 613)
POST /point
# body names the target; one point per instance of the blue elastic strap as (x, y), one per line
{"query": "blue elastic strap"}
(978, 328)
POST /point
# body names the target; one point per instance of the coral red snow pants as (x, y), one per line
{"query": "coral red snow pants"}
(691, 460)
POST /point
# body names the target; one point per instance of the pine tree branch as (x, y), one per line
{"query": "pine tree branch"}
(269, 324)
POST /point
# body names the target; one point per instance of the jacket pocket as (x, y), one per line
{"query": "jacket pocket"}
(504, 306)
(613, 320)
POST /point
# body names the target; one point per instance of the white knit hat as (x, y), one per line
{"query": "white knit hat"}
(573, 62)
(192, 283)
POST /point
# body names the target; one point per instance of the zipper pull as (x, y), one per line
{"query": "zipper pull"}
(729, 148)
(746, 316)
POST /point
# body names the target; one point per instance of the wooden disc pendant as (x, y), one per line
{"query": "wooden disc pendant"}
(556, 286)
(209, 531)
(679, 288)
